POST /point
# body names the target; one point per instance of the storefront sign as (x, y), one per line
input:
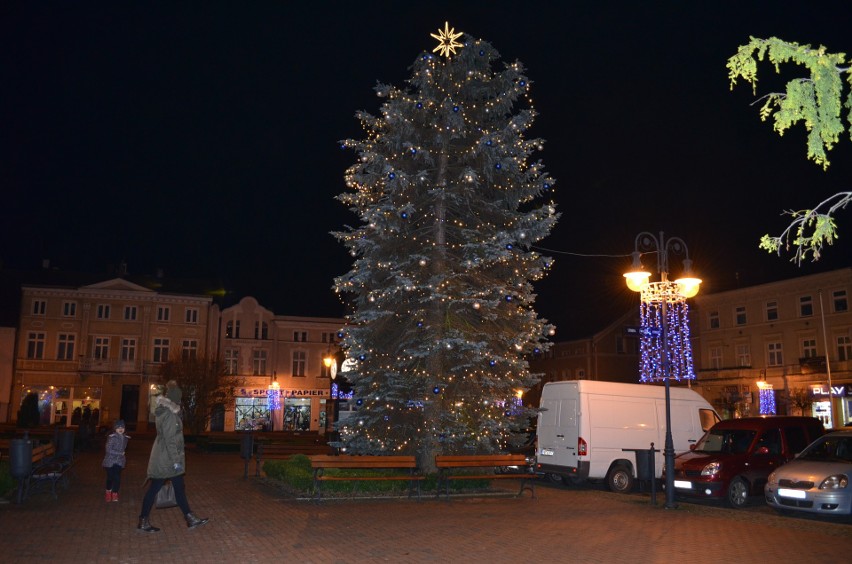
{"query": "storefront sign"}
(285, 393)
(820, 391)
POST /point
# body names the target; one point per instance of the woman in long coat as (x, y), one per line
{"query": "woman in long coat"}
(168, 460)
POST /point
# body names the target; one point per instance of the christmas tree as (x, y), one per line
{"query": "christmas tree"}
(442, 317)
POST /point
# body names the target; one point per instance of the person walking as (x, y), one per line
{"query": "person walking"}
(168, 459)
(114, 459)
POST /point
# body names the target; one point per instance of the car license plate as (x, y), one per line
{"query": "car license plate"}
(797, 494)
(547, 452)
(683, 485)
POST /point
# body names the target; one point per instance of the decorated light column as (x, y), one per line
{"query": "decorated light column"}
(665, 347)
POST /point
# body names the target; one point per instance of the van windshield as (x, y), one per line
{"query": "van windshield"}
(726, 441)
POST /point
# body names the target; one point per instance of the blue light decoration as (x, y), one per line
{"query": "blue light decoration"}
(498, 166)
(273, 397)
(679, 354)
(455, 108)
(338, 395)
(391, 175)
(436, 390)
(767, 400)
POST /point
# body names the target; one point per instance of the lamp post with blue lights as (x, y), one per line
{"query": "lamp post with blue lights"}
(665, 347)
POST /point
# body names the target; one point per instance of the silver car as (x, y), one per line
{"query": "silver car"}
(818, 480)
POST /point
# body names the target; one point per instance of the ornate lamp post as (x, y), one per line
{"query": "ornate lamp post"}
(666, 351)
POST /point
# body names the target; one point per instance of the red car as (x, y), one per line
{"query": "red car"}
(733, 460)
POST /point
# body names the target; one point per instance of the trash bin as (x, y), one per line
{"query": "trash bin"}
(247, 446)
(65, 444)
(20, 458)
(644, 465)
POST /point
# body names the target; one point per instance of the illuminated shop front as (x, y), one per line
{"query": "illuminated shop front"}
(281, 409)
(824, 398)
(66, 406)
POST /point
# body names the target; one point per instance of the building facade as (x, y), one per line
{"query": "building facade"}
(783, 347)
(89, 353)
(286, 365)
(611, 354)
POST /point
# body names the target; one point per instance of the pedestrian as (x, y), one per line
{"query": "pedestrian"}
(114, 459)
(168, 460)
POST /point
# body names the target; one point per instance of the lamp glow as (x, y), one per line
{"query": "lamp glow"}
(636, 280)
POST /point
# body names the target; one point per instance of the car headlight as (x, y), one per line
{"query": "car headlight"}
(836, 482)
(711, 469)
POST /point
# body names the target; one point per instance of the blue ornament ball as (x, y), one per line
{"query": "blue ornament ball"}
(436, 390)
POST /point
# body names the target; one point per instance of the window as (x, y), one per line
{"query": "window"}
(232, 359)
(839, 301)
(743, 355)
(163, 313)
(806, 306)
(39, 307)
(261, 330)
(714, 319)
(161, 349)
(69, 309)
(102, 311)
(740, 315)
(65, 347)
(128, 350)
(328, 337)
(844, 348)
(258, 362)
(300, 336)
(716, 357)
(775, 355)
(192, 315)
(101, 348)
(772, 310)
(232, 330)
(189, 349)
(35, 345)
(130, 313)
(809, 348)
(298, 363)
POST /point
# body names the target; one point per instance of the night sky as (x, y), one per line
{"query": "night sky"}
(201, 138)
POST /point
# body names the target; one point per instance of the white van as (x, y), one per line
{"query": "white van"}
(584, 427)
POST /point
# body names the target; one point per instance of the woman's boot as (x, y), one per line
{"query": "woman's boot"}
(145, 526)
(192, 521)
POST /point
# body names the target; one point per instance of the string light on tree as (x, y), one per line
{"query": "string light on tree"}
(441, 285)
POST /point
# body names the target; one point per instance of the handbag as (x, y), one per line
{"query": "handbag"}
(166, 496)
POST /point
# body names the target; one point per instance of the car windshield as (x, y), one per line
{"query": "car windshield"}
(829, 448)
(726, 441)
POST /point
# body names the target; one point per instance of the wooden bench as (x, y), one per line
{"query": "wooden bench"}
(47, 468)
(283, 451)
(446, 464)
(322, 462)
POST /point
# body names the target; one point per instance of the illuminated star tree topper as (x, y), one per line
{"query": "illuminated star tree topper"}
(447, 40)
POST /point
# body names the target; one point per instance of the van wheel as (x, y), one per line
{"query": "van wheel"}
(620, 479)
(737, 495)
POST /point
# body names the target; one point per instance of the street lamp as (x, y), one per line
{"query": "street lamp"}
(331, 364)
(666, 351)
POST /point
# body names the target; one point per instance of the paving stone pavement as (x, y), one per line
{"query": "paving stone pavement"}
(252, 522)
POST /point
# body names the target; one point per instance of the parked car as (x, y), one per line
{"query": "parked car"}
(733, 460)
(818, 480)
